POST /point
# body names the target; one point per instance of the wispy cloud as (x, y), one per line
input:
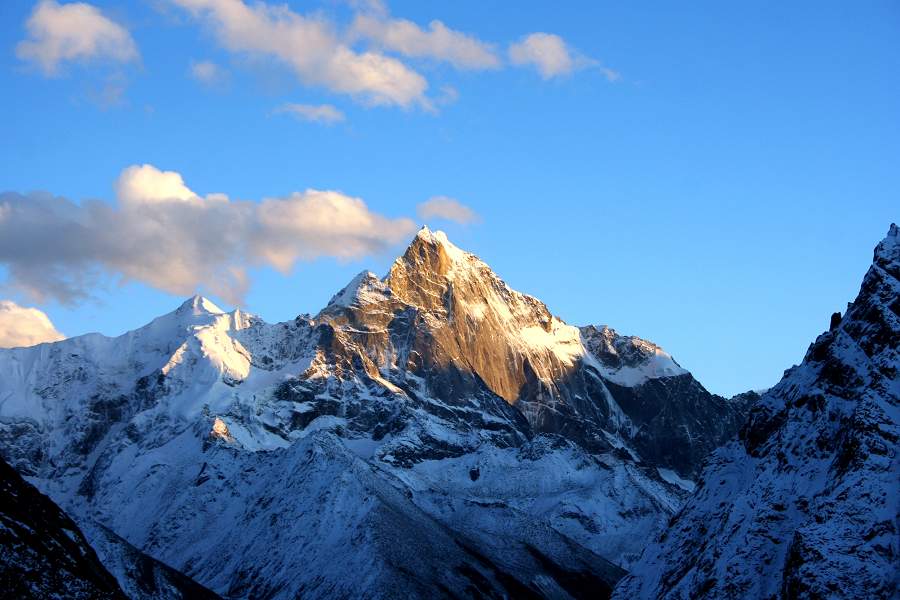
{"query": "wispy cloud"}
(311, 47)
(316, 113)
(60, 33)
(370, 59)
(208, 73)
(450, 209)
(552, 56)
(24, 326)
(366, 60)
(438, 42)
(163, 234)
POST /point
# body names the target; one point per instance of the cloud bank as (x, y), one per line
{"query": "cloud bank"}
(163, 234)
(23, 326)
(59, 33)
(449, 209)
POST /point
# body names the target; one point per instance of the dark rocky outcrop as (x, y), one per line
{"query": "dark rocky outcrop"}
(678, 422)
(43, 553)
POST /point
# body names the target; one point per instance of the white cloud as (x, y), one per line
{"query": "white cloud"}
(314, 223)
(208, 73)
(163, 234)
(139, 184)
(23, 326)
(551, 56)
(58, 33)
(354, 61)
(316, 113)
(450, 209)
(438, 42)
(312, 49)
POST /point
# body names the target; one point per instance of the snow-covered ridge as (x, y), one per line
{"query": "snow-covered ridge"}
(628, 360)
(194, 346)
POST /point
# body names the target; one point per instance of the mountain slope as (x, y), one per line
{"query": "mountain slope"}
(43, 554)
(436, 403)
(315, 520)
(141, 576)
(806, 502)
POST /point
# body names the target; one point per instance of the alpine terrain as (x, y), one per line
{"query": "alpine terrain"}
(432, 433)
(806, 502)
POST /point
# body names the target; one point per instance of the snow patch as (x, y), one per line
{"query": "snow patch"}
(672, 477)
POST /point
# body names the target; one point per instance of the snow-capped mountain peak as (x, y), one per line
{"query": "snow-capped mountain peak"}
(199, 305)
(458, 314)
(431, 254)
(887, 253)
(363, 289)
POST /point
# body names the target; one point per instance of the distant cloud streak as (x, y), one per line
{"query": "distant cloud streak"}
(208, 73)
(449, 209)
(60, 33)
(24, 326)
(164, 235)
(316, 113)
(438, 42)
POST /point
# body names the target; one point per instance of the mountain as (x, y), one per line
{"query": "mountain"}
(442, 317)
(427, 433)
(805, 503)
(43, 554)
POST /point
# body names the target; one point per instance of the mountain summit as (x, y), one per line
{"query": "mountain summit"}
(442, 315)
(428, 431)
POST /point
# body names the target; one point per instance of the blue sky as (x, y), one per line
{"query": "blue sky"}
(711, 177)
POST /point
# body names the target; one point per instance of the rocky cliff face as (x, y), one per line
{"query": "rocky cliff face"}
(805, 504)
(316, 456)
